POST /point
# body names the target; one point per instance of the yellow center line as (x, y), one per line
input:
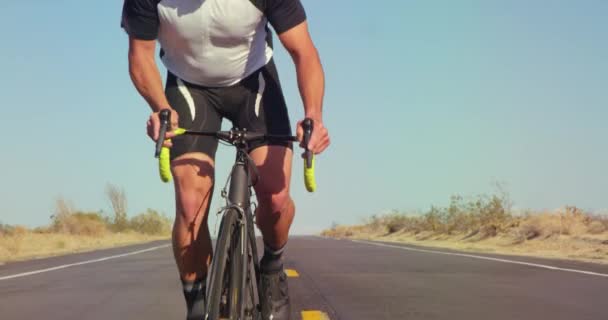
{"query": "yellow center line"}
(314, 315)
(291, 273)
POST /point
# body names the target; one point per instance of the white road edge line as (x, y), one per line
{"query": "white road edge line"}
(485, 258)
(24, 274)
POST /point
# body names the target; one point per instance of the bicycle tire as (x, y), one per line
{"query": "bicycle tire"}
(217, 276)
(252, 298)
(238, 269)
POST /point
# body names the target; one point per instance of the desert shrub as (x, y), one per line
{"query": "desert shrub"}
(375, 222)
(395, 222)
(571, 220)
(484, 215)
(151, 222)
(432, 220)
(42, 230)
(118, 199)
(6, 230)
(20, 230)
(530, 230)
(12, 238)
(596, 227)
(80, 223)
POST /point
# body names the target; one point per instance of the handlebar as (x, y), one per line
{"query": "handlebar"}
(309, 157)
(234, 137)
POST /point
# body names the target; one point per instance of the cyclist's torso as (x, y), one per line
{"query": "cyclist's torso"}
(217, 42)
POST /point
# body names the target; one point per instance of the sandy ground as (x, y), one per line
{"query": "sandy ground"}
(31, 245)
(589, 248)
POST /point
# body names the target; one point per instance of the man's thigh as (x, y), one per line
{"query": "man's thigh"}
(274, 167)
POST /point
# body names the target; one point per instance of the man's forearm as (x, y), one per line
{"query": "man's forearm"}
(146, 78)
(311, 82)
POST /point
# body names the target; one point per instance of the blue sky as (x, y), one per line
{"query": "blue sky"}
(424, 99)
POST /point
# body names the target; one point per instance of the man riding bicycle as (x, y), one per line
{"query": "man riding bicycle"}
(218, 54)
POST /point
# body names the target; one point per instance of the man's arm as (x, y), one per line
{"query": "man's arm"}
(145, 74)
(140, 21)
(311, 81)
(146, 78)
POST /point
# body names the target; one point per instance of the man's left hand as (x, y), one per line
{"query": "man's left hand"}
(319, 140)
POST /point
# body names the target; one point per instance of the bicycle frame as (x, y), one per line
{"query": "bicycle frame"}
(239, 196)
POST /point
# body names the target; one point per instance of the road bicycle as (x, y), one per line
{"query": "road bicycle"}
(232, 283)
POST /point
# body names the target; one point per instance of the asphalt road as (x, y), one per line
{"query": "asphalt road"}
(343, 279)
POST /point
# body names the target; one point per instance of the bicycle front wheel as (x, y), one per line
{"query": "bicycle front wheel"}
(218, 293)
(252, 300)
(238, 269)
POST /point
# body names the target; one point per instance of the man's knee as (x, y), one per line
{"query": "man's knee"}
(192, 203)
(274, 166)
(275, 203)
(193, 176)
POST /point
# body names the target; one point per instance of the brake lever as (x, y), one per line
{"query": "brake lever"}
(307, 125)
(165, 119)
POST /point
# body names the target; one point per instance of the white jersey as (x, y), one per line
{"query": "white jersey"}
(214, 43)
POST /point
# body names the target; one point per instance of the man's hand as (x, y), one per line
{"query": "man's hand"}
(153, 127)
(319, 140)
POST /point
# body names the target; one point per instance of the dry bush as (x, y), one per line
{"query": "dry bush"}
(485, 216)
(488, 231)
(540, 226)
(395, 222)
(42, 230)
(80, 223)
(11, 238)
(12, 244)
(433, 220)
(5, 229)
(20, 230)
(598, 223)
(338, 232)
(573, 221)
(151, 222)
(567, 221)
(118, 200)
(530, 229)
(596, 227)
(13, 231)
(375, 223)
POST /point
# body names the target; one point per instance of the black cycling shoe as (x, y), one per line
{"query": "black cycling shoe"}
(274, 294)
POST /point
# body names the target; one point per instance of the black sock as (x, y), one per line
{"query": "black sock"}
(194, 293)
(272, 259)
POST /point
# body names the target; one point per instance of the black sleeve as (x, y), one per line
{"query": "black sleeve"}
(284, 14)
(140, 19)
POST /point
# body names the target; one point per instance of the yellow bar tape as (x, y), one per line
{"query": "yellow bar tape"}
(309, 176)
(164, 167)
(164, 160)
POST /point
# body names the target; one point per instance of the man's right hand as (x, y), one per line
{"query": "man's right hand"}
(153, 127)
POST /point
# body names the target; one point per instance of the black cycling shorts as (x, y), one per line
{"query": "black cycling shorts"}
(256, 103)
